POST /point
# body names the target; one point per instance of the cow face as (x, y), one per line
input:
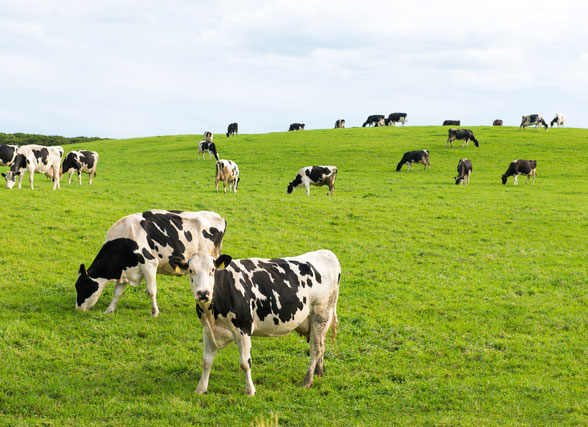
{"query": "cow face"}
(504, 179)
(458, 179)
(88, 290)
(202, 268)
(10, 178)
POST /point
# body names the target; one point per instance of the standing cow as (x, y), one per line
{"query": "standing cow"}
(227, 171)
(141, 245)
(521, 167)
(314, 175)
(533, 120)
(7, 154)
(238, 299)
(80, 161)
(396, 117)
(374, 120)
(558, 119)
(340, 124)
(417, 156)
(464, 170)
(232, 129)
(207, 147)
(35, 158)
(497, 122)
(464, 134)
(451, 123)
(296, 126)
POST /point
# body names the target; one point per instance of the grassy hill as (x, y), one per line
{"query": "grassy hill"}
(458, 305)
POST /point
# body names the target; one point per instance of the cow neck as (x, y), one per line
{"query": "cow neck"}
(207, 321)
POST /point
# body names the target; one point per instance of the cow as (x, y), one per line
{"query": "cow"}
(208, 135)
(227, 171)
(518, 167)
(296, 126)
(140, 245)
(35, 158)
(558, 119)
(417, 156)
(497, 122)
(340, 124)
(464, 170)
(396, 117)
(80, 161)
(375, 120)
(240, 298)
(232, 129)
(451, 123)
(464, 134)
(207, 147)
(314, 175)
(7, 154)
(533, 119)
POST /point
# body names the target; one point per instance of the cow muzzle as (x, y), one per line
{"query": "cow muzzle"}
(203, 295)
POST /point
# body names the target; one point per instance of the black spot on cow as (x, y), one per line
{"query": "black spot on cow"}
(70, 162)
(297, 181)
(199, 311)
(316, 173)
(276, 321)
(147, 254)
(41, 155)
(226, 300)
(188, 235)
(248, 264)
(249, 362)
(88, 158)
(214, 235)
(20, 162)
(163, 228)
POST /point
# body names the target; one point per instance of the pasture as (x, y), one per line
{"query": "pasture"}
(457, 305)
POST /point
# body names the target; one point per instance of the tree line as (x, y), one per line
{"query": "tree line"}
(27, 138)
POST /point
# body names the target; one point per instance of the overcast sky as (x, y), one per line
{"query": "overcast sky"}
(126, 68)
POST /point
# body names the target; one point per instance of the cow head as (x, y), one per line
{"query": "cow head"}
(504, 179)
(10, 178)
(458, 179)
(201, 267)
(88, 290)
(290, 189)
(544, 124)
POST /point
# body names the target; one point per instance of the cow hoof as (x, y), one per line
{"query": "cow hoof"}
(200, 391)
(250, 393)
(154, 313)
(109, 310)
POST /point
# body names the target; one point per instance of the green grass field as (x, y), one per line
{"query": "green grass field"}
(458, 305)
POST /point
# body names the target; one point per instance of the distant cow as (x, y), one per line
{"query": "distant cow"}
(374, 120)
(396, 117)
(238, 299)
(208, 136)
(533, 120)
(314, 175)
(464, 134)
(296, 126)
(7, 154)
(417, 156)
(464, 170)
(207, 147)
(141, 245)
(521, 167)
(558, 119)
(227, 171)
(340, 124)
(452, 123)
(497, 122)
(80, 161)
(232, 129)
(35, 158)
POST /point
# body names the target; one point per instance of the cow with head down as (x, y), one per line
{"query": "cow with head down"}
(314, 175)
(35, 159)
(141, 245)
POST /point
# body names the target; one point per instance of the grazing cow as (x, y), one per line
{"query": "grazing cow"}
(35, 158)
(7, 154)
(464, 134)
(497, 122)
(375, 120)
(232, 129)
(296, 126)
(207, 147)
(227, 171)
(340, 124)
(314, 175)
(396, 117)
(518, 167)
(558, 119)
(464, 170)
(208, 136)
(238, 299)
(141, 245)
(417, 156)
(80, 161)
(452, 123)
(533, 119)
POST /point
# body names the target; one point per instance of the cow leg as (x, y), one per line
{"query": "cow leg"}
(225, 185)
(244, 345)
(319, 323)
(80, 177)
(149, 272)
(307, 186)
(31, 174)
(19, 181)
(70, 175)
(216, 184)
(516, 179)
(91, 177)
(118, 291)
(207, 360)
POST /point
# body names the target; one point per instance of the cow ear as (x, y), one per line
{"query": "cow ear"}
(178, 264)
(222, 261)
(83, 271)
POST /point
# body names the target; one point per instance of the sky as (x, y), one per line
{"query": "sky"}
(134, 68)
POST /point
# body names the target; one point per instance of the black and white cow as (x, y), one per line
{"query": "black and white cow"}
(464, 170)
(7, 154)
(141, 245)
(417, 156)
(533, 120)
(340, 124)
(238, 299)
(80, 161)
(227, 171)
(207, 147)
(232, 129)
(521, 167)
(497, 122)
(296, 126)
(452, 123)
(396, 117)
(558, 119)
(375, 120)
(464, 134)
(314, 175)
(35, 158)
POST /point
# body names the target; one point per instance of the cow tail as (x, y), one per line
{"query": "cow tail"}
(335, 321)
